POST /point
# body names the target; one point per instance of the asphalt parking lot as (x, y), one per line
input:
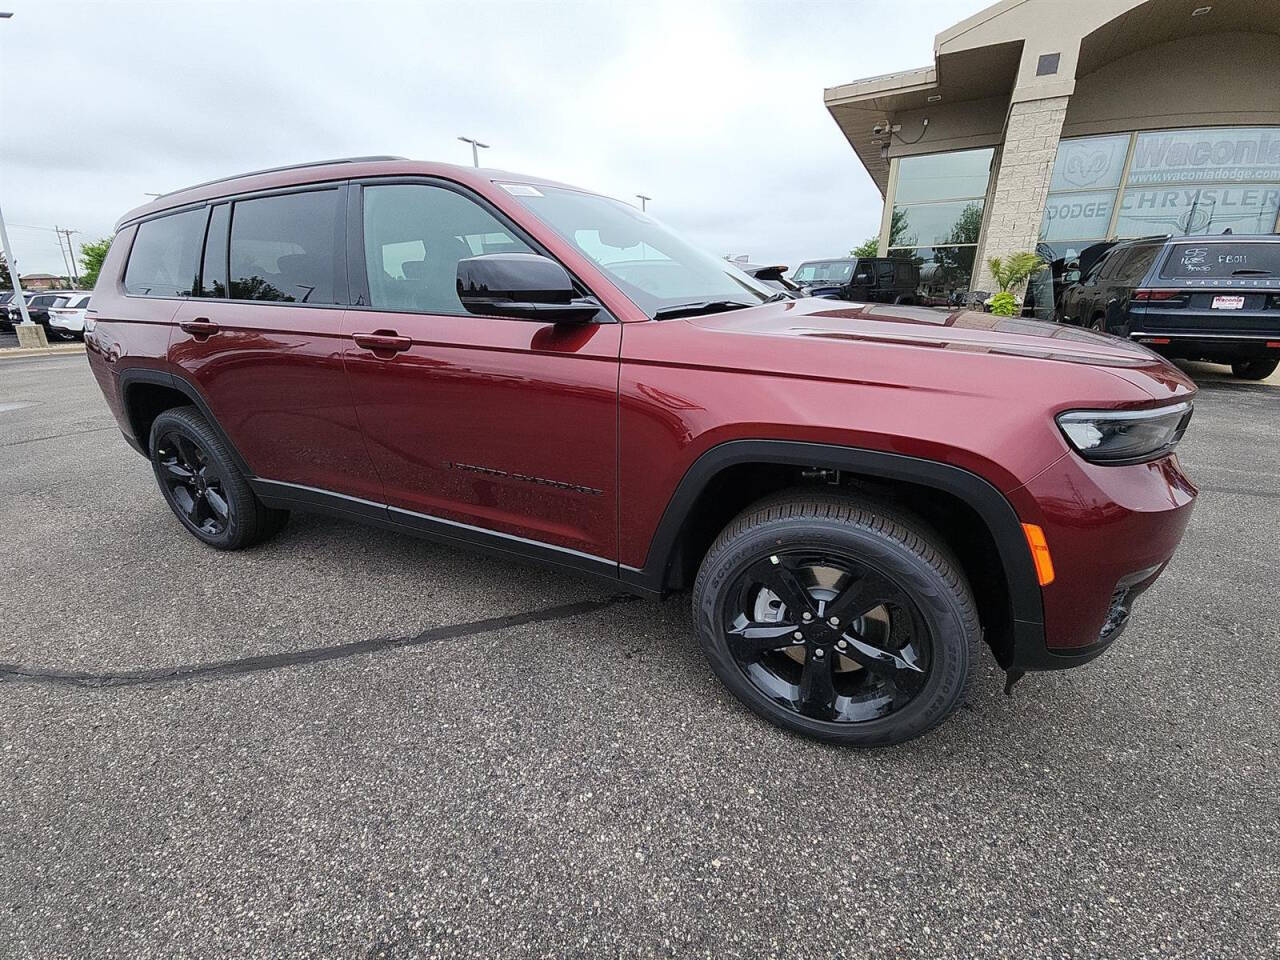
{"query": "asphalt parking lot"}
(400, 750)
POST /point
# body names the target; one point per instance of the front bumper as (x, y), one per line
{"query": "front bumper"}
(1111, 531)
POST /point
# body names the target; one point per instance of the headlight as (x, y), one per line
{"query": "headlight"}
(1125, 436)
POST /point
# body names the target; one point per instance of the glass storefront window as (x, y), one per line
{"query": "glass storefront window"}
(961, 175)
(955, 222)
(1089, 163)
(1197, 210)
(944, 272)
(1071, 216)
(1179, 182)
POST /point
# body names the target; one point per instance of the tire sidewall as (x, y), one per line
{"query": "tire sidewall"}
(193, 427)
(933, 596)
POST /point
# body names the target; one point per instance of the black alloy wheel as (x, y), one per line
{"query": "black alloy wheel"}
(192, 484)
(203, 485)
(840, 618)
(827, 636)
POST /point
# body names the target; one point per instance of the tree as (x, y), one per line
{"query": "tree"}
(6, 280)
(1008, 272)
(91, 257)
(898, 236)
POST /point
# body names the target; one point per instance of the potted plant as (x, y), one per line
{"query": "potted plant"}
(1008, 272)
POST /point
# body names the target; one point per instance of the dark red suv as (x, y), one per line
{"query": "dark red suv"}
(856, 495)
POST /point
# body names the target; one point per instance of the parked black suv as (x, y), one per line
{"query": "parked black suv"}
(1194, 298)
(862, 279)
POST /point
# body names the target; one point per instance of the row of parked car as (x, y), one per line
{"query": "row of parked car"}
(1187, 298)
(60, 312)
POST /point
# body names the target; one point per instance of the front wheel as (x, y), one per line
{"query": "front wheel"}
(202, 485)
(1254, 369)
(842, 621)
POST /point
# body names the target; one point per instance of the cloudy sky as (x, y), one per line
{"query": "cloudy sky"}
(713, 109)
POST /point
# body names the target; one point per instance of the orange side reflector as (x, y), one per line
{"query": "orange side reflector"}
(1039, 553)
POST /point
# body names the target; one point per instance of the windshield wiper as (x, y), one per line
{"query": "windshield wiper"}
(698, 307)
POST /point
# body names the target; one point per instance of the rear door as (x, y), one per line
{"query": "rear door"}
(263, 338)
(476, 424)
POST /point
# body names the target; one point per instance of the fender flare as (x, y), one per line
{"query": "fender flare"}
(139, 375)
(1026, 605)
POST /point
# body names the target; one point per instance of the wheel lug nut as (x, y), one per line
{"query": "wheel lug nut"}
(841, 644)
(818, 654)
(798, 636)
(806, 617)
(834, 621)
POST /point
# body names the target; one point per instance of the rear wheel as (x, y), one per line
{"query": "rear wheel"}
(842, 621)
(1098, 324)
(202, 485)
(1254, 369)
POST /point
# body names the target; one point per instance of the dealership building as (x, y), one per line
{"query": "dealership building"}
(1050, 125)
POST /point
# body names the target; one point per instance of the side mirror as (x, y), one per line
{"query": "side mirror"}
(525, 286)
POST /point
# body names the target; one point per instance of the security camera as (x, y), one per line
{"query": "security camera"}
(881, 128)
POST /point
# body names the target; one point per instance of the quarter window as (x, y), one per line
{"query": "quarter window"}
(414, 236)
(165, 255)
(283, 248)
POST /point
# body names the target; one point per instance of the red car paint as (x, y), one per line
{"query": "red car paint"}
(576, 438)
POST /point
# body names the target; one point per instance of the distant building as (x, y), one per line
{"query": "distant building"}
(43, 281)
(1049, 125)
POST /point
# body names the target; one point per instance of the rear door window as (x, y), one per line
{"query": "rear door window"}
(1138, 262)
(165, 255)
(284, 248)
(1216, 261)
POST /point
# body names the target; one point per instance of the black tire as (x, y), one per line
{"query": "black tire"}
(875, 544)
(1254, 369)
(1097, 324)
(202, 485)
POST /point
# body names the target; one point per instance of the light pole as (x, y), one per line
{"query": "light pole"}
(643, 200)
(29, 335)
(475, 153)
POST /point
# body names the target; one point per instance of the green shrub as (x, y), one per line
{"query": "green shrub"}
(1004, 304)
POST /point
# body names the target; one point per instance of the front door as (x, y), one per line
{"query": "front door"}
(263, 341)
(476, 425)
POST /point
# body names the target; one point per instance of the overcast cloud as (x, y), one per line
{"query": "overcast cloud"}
(714, 110)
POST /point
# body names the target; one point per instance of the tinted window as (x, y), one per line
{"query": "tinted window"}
(283, 248)
(414, 236)
(165, 255)
(1216, 260)
(213, 275)
(826, 271)
(1137, 264)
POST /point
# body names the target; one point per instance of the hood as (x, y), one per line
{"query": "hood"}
(815, 322)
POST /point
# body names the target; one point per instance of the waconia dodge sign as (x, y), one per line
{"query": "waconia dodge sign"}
(1206, 156)
(1199, 181)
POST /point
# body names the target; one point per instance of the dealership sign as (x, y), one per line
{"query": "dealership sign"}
(1206, 156)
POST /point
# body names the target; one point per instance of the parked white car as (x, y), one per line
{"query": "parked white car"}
(66, 315)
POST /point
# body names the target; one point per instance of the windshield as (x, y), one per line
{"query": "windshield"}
(650, 264)
(823, 271)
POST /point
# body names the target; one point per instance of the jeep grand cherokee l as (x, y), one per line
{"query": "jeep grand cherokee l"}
(1192, 298)
(858, 496)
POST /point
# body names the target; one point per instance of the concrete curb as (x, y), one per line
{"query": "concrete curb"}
(8, 353)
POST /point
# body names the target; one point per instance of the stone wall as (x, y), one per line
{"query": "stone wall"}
(1022, 182)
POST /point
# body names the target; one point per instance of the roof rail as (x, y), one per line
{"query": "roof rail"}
(287, 166)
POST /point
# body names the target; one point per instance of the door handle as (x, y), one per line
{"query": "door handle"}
(200, 327)
(382, 341)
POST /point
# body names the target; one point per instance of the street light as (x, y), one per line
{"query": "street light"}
(475, 154)
(18, 295)
(643, 200)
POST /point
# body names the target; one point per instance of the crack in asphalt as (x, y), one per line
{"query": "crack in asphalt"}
(219, 669)
(55, 436)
